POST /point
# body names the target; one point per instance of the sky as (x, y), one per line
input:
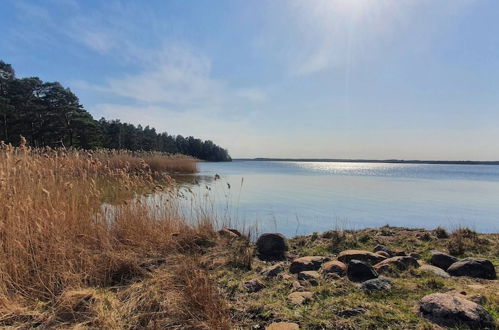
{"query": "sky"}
(407, 79)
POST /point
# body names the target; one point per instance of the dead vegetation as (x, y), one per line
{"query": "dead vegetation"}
(66, 262)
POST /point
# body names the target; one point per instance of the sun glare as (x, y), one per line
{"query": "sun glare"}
(347, 7)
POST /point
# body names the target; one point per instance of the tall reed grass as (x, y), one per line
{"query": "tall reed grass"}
(55, 237)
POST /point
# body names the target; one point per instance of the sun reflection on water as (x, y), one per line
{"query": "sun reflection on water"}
(351, 168)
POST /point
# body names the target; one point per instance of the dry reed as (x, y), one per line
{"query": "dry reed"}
(56, 238)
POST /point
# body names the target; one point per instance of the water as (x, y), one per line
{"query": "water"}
(305, 197)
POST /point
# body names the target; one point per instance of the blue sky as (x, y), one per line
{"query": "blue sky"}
(277, 78)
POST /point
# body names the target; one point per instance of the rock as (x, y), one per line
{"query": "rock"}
(473, 267)
(331, 277)
(253, 285)
(273, 271)
(285, 277)
(383, 254)
(271, 246)
(441, 260)
(360, 255)
(307, 263)
(335, 267)
(358, 271)
(415, 255)
(297, 286)
(450, 310)
(229, 233)
(399, 253)
(382, 248)
(376, 284)
(310, 276)
(283, 326)
(400, 262)
(435, 271)
(300, 298)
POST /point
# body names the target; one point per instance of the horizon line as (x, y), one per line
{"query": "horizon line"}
(389, 161)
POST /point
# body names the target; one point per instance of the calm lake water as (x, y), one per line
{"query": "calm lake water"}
(304, 197)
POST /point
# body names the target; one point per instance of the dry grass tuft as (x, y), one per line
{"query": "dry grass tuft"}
(441, 233)
(184, 297)
(464, 240)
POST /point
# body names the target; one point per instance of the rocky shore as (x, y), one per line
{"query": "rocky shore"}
(373, 278)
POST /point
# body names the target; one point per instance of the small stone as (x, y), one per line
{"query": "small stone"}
(336, 267)
(285, 277)
(359, 271)
(449, 310)
(272, 246)
(283, 326)
(382, 248)
(415, 255)
(300, 298)
(442, 260)
(400, 262)
(297, 286)
(473, 267)
(435, 271)
(331, 277)
(307, 263)
(309, 276)
(399, 253)
(253, 285)
(383, 254)
(273, 271)
(376, 284)
(360, 255)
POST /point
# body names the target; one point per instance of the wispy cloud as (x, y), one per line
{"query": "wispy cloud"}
(317, 36)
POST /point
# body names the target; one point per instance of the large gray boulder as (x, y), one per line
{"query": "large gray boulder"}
(473, 267)
(271, 246)
(441, 260)
(450, 310)
(359, 271)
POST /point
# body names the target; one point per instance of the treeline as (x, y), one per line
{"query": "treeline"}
(47, 114)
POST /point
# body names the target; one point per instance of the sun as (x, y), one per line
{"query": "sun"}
(351, 5)
(348, 7)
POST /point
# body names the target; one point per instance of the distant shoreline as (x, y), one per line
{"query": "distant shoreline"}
(383, 161)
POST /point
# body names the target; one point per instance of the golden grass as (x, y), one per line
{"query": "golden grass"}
(135, 161)
(60, 251)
